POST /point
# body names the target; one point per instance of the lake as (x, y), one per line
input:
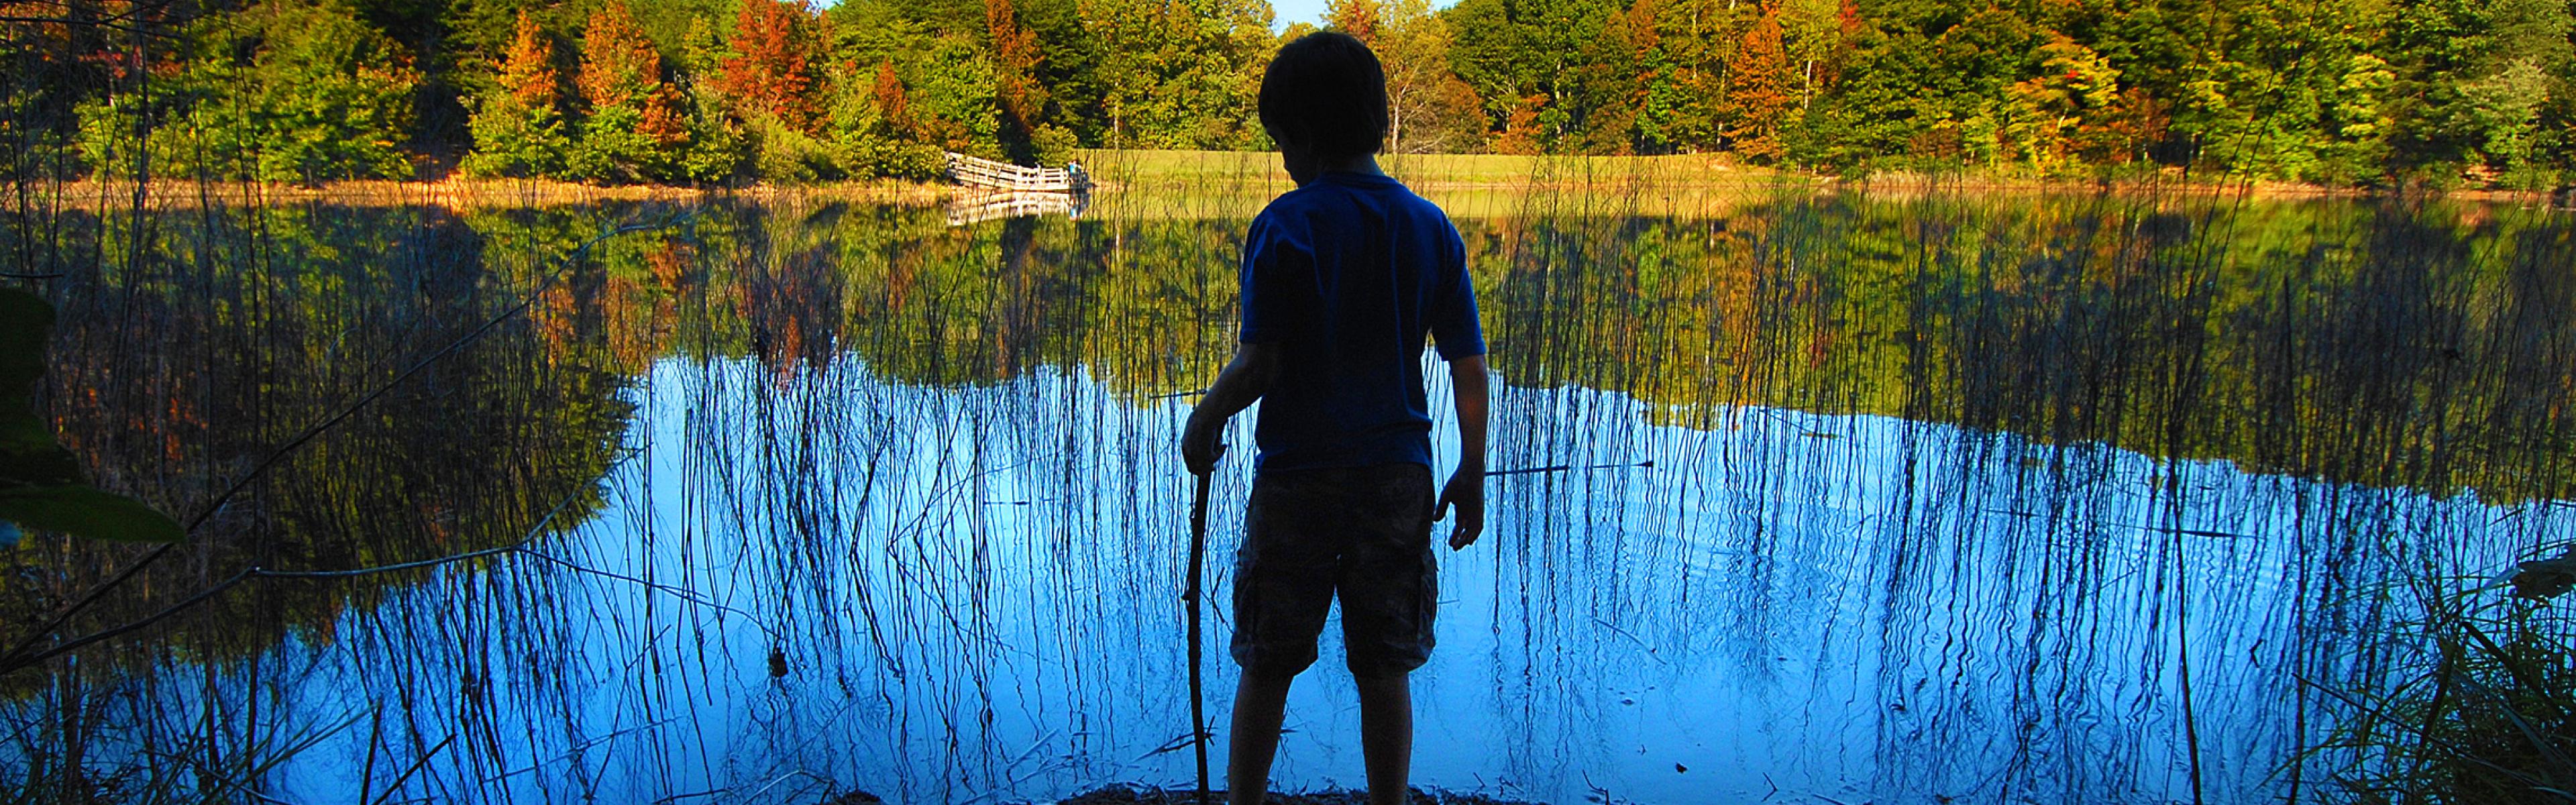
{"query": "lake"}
(1811, 495)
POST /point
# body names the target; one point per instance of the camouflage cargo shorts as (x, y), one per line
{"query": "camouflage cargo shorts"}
(1361, 532)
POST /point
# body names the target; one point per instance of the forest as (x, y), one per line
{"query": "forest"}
(2370, 93)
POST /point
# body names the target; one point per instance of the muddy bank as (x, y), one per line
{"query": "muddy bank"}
(1140, 795)
(1134, 795)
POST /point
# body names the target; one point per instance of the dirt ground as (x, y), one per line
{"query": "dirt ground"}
(1136, 795)
(1130, 795)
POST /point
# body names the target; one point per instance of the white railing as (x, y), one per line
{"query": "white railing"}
(1006, 176)
(975, 206)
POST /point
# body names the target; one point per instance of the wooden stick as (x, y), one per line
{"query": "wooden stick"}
(1198, 559)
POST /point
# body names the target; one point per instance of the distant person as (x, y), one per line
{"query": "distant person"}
(1342, 279)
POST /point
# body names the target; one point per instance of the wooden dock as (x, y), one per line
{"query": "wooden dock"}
(985, 173)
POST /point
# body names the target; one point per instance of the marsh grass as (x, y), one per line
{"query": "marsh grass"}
(2480, 709)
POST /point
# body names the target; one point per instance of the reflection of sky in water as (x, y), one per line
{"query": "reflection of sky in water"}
(974, 597)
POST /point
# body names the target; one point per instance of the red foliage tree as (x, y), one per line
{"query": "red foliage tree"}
(1848, 25)
(1015, 63)
(1358, 18)
(773, 70)
(891, 99)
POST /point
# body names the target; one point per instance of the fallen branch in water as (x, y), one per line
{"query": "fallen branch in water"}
(1648, 464)
(416, 765)
(14, 663)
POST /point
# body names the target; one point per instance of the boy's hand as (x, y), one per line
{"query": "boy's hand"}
(1466, 489)
(1200, 444)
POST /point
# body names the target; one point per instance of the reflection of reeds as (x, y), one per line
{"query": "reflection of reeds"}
(885, 502)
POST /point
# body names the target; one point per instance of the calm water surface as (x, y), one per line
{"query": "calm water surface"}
(1835, 497)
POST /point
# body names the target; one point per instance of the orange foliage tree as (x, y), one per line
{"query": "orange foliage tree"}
(892, 101)
(636, 124)
(518, 131)
(527, 68)
(1760, 90)
(774, 70)
(1015, 64)
(1359, 18)
(1520, 133)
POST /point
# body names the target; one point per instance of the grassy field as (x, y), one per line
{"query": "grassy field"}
(1431, 170)
(1137, 184)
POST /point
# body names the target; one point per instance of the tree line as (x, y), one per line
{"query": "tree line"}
(2446, 92)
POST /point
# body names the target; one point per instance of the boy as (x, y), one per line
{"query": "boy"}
(1342, 279)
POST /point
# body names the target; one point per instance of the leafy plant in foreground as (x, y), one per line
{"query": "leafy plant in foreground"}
(40, 483)
(2488, 712)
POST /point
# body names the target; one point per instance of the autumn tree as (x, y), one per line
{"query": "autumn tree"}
(1015, 60)
(891, 100)
(518, 130)
(868, 132)
(1760, 90)
(1359, 18)
(773, 71)
(1521, 134)
(636, 128)
(1848, 27)
(1622, 68)
(1429, 109)
(2481, 92)
(2076, 92)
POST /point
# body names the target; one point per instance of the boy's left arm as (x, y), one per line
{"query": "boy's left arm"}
(1244, 380)
(1462, 343)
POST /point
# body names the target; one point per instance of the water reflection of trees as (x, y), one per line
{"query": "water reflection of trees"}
(180, 373)
(2410, 347)
(2395, 347)
(1816, 349)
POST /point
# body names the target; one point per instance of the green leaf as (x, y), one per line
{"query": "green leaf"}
(29, 456)
(24, 461)
(86, 512)
(24, 318)
(22, 433)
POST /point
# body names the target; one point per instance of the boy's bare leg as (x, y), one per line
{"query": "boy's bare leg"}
(1386, 736)
(1260, 704)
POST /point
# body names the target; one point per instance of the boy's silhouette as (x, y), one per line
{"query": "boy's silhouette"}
(1342, 279)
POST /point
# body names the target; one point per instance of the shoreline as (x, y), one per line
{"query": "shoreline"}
(1227, 171)
(453, 193)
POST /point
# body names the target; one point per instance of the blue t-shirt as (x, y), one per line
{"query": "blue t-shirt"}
(1347, 274)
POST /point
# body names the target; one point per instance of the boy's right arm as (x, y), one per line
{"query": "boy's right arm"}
(1244, 380)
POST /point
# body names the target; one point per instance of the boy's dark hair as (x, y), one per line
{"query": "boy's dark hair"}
(1325, 92)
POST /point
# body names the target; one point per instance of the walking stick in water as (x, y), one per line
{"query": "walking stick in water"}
(1198, 559)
